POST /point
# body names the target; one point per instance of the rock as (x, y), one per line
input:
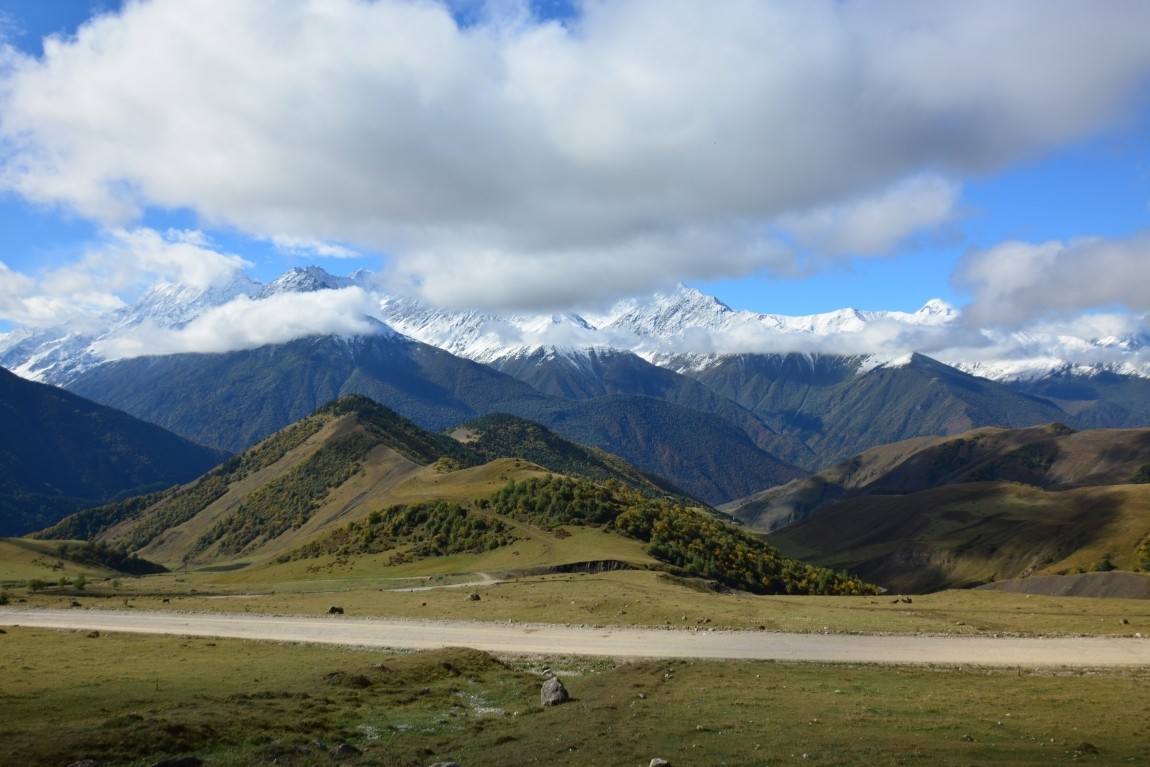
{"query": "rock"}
(445, 764)
(344, 679)
(181, 761)
(553, 693)
(335, 610)
(968, 738)
(1086, 748)
(345, 751)
(85, 763)
(657, 762)
(472, 597)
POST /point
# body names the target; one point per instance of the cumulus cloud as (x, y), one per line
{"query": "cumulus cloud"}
(123, 262)
(1015, 282)
(551, 156)
(875, 224)
(247, 324)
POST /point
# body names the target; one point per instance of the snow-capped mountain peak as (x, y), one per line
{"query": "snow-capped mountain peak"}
(306, 279)
(680, 329)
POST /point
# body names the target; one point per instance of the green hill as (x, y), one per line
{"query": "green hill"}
(356, 483)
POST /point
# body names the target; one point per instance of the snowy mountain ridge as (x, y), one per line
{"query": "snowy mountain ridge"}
(679, 329)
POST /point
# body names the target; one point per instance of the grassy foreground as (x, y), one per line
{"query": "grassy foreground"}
(133, 700)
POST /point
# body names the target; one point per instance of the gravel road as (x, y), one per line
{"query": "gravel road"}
(506, 638)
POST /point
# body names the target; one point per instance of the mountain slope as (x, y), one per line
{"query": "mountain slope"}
(60, 452)
(234, 399)
(837, 407)
(989, 504)
(356, 481)
(502, 435)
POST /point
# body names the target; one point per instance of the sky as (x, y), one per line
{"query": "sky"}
(790, 158)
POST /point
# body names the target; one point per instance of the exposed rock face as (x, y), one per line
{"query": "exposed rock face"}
(657, 762)
(553, 693)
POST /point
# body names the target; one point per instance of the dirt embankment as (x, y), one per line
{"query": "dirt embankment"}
(1114, 584)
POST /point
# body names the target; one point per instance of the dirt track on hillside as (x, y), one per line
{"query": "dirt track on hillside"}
(505, 638)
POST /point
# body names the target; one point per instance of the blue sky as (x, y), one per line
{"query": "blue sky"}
(788, 158)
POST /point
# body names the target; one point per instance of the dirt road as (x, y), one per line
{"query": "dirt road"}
(615, 642)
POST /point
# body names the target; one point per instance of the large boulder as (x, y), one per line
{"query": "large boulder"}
(553, 693)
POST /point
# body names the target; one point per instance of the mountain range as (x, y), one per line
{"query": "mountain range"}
(678, 384)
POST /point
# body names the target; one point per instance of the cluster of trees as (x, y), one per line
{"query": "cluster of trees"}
(709, 548)
(551, 501)
(431, 528)
(693, 541)
(113, 557)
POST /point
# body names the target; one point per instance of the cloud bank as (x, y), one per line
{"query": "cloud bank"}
(526, 163)
(246, 324)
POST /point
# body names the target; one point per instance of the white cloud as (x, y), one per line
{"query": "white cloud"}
(247, 324)
(1015, 282)
(302, 246)
(124, 262)
(875, 224)
(558, 155)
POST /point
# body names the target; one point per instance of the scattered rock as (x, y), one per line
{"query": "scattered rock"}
(473, 597)
(344, 679)
(553, 693)
(181, 761)
(657, 762)
(335, 610)
(969, 738)
(345, 751)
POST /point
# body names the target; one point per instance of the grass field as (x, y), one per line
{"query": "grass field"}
(132, 700)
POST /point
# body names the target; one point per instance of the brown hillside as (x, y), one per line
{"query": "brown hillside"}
(1050, 457)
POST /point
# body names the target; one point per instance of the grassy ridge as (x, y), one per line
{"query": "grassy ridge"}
(174, 507)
